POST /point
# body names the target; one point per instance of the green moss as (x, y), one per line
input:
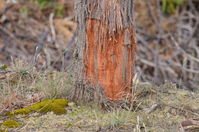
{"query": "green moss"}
(3, 130)
(57, 106)
(11, 124)
(3, 67)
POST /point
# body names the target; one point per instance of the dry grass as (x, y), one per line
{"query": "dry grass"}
(22, 84)
(159, 109)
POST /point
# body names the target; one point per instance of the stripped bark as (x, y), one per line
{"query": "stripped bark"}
(107, 44)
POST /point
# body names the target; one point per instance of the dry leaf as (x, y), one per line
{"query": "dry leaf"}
(189, 123)
(189, 126)
(65, 27)
(2, 4)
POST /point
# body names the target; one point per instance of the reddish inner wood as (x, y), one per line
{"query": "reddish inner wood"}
(104, 60)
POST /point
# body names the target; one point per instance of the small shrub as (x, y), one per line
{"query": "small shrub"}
(170, 6)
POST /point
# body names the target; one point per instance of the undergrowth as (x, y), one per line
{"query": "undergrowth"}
(157, 108)
(23, 83)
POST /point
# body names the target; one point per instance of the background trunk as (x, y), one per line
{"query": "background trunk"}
(106, 37)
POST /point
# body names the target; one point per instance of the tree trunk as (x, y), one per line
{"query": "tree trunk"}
(106, 39)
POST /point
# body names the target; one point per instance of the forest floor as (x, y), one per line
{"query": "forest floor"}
(164, 108)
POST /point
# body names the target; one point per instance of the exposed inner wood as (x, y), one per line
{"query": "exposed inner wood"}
(109, 59)
(106, 37)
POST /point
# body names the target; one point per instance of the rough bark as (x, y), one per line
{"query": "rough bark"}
(107, 44)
